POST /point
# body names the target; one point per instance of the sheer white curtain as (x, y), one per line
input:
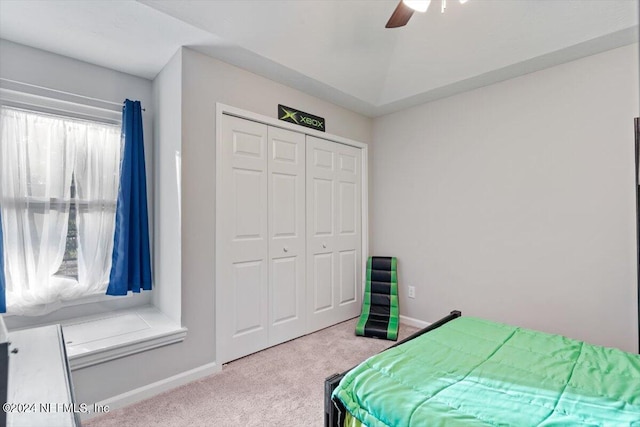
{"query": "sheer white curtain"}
(97, 179)
(38, 157)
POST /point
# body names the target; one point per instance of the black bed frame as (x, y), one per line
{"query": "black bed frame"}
(636, 128)
(333, 409)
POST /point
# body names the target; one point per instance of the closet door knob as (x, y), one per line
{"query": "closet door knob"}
(285, 249)
(324, 246)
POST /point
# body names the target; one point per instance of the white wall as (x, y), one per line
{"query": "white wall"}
(167, 96)
(515, 202)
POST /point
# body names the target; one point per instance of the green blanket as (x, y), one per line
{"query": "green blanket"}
(473, 372)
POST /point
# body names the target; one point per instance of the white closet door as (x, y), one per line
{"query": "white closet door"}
(243, 258)
(333, 233)
(287, 307)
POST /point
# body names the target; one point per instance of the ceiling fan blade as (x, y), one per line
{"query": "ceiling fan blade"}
(400, 16)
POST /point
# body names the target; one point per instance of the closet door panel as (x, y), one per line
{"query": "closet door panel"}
(285, 198)
(321, 271)
(347, 216)
(247, 185)
(243, 321)
(322, 282)
(348, 276)
(321, 220)
(323, 201)
(248, 310)
(287, 249)
(333, 232)
(285, 290)
(348, 240)
(248, 230)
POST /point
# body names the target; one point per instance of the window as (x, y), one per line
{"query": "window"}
(59, 181)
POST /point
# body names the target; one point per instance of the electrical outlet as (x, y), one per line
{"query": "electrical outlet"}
(411, 291)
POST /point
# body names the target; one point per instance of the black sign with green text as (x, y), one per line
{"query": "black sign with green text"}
(301, 118)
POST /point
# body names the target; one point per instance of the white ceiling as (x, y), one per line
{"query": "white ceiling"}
(338, 50)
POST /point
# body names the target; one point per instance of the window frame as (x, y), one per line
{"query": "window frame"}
(61, 104)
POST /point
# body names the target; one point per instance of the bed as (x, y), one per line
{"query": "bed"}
(465, 371)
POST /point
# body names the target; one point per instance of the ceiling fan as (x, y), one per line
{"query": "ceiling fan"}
(405, 9)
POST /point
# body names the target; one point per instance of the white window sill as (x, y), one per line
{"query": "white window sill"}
(96, 339)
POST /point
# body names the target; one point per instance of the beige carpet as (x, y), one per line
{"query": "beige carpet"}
(280, 386)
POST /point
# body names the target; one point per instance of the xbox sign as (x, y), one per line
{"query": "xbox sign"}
(301, 118)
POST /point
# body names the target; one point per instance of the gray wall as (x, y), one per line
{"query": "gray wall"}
(515, 201)
(205, 82)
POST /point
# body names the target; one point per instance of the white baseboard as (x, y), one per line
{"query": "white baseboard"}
(410, 321)
(150, 390)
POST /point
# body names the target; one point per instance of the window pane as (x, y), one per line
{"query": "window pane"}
(69, 266)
